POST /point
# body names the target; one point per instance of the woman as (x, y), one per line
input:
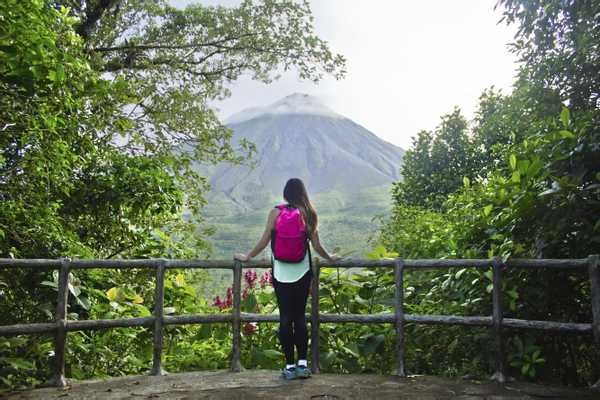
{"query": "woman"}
(291, 280)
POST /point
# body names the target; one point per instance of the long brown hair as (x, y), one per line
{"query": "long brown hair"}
(296, 195)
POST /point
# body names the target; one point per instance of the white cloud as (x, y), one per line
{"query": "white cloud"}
(409, 62)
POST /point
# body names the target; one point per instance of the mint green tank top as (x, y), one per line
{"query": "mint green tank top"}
(290, 272)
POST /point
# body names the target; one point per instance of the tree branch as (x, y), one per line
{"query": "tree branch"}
(159, 46)
(93, 15)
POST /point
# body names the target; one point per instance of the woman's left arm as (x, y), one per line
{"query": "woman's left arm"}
(264, 240)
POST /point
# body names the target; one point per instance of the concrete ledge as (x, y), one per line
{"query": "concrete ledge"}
(263, 384)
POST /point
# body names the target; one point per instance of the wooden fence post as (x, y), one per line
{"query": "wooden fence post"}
(236, 365)
(497, 265)
(159, 300)
(399, 315)
(60, 337)
(594, 273)
(314, 318)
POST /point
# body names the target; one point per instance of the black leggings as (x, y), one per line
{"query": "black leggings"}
(291, 299)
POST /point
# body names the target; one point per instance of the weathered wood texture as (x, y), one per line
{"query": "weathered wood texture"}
(159, 300)
(236, 364)
(27, 329)
(60, 335)
(95, 324)
(121, 264)
(497, 315)
(29, 263)
(399, 317)
(547, 325)
(198, 319)
(594, 273)
(386, 318)
(314, 318)
(580, 264)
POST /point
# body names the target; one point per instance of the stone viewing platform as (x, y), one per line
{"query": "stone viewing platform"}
(263, 384)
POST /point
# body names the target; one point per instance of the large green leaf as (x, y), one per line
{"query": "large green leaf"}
(272, 354)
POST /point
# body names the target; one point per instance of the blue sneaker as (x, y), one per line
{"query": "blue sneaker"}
(289, 373)
(302, 372)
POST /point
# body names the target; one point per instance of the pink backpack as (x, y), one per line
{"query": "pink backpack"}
(289, 240)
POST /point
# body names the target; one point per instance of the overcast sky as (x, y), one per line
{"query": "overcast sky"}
(408, 62)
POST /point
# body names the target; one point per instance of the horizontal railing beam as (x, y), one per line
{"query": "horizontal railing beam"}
(528, 263)
(457, 263)
(128, 264)
(197, 319)
(29, 263)
(25, 329)
(95, 324)
(420, 319)
(547, 325)
(217, 264)
(574, 264)
(391, 263)
(20, 329)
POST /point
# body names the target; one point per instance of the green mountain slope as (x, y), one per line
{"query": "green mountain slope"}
(345, 221)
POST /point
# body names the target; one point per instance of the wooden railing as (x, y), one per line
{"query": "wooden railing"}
(61, 325)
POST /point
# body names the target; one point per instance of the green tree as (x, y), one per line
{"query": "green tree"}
(104, 109)
(437, 164)
(557, 42)
(173, 62)
(537, 193)
(417, 168)
(105, 113)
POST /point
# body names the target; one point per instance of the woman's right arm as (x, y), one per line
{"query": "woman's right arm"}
(316, 243)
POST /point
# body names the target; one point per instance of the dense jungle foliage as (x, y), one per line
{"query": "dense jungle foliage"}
(103, 111)
(521, 180)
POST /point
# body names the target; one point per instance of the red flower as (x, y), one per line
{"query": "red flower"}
(229, 299)
(250, 328)
(227, 302)
(250, 277)
(218, 302)
(266, 279)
